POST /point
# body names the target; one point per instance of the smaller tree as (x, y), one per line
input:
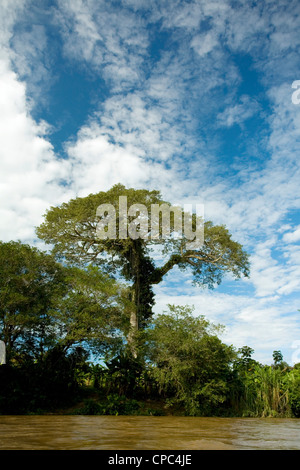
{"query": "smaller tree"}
(190, 363)
(45, 305)
(245, 362)
(278, 359)
(30, 283)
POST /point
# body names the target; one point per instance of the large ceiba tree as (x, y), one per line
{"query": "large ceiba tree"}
(72, 231)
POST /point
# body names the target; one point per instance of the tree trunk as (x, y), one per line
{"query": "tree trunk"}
(132, 335)
(135, 298)
(140, 268)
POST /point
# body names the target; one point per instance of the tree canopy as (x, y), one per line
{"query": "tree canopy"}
(44, 304)
(187, 355)
(72, 231)
(30, 282)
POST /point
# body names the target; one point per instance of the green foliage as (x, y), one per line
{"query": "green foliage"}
(186, 368)
(277, 357)
(218, 255)
(291, 383)
(124, 374)
(189, 362)
(47, 313)
(244, 363)
(113, 405)
(30, 283)
(265, 391)
(43, 303)
(94, 310)
(90, 407)
(271, 397)
(53, 316)
(41, 385)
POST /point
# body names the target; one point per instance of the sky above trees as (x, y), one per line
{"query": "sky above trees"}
(192, 98)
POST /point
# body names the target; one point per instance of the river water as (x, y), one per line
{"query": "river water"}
(147, 433)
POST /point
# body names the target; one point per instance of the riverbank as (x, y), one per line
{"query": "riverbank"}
(247, 390)
(95, 403)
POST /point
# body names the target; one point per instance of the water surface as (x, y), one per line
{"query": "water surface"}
(147, 433)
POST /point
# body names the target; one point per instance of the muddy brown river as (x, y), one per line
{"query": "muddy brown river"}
(147, 433)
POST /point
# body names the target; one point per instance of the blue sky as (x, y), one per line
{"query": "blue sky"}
(193, 98)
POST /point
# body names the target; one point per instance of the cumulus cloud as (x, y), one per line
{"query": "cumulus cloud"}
(292, 237)
(31, 175)
(30, 172)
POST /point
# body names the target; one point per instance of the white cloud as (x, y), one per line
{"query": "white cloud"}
(10, 13)
(97, 163)
(238, 113)
(30, 172)
(204, 43)
(292, 237)
(31, 62)
(111, 42)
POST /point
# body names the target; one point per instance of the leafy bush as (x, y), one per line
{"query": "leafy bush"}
(292, 384)
(123, 374)
(45, 384)
(114, 405)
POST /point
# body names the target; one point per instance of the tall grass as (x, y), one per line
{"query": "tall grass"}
(265, 393)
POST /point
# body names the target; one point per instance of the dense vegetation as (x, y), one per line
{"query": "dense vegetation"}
(54, 320)
(81, 337)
